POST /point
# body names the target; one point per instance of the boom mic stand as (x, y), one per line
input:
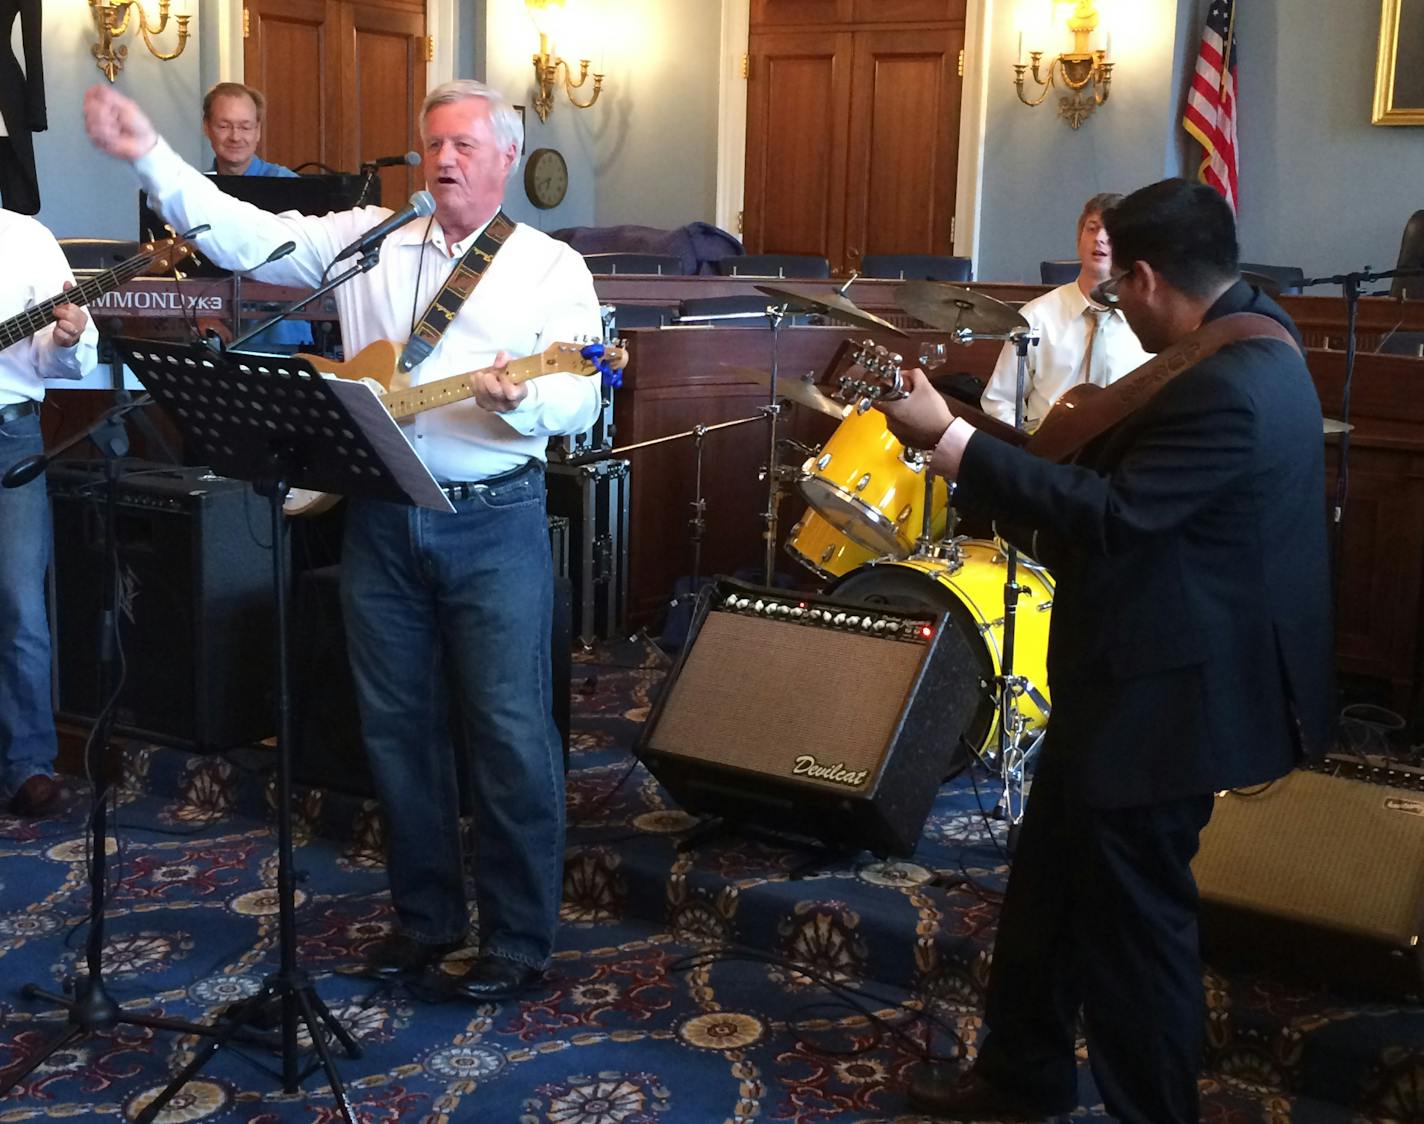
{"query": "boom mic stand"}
(90, 1007)
(1350, 286)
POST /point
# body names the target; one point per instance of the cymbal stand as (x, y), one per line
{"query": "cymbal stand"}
(698, 522)
(775, 314)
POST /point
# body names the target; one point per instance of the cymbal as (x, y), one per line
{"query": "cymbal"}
(951, 308)
(794, 389)
(1334, 427)
(828, 302)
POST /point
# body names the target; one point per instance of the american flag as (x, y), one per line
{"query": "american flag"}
(1211, 103)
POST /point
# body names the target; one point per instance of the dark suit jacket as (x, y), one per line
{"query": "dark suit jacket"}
(22, 102)
(1191, 642)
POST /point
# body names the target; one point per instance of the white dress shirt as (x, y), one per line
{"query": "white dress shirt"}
(537, 291)
(35, 270)
(1061, 359)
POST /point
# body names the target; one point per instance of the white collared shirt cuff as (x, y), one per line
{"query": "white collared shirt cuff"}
(950, 449)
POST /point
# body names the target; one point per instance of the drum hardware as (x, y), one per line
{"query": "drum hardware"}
(834, 304)
(802, 391)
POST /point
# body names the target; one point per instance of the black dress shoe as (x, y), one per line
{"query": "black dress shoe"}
(941, 1090)
(36, 796)
(399, 955)
(492, 978)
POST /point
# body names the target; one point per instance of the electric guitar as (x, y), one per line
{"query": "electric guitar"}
(153, 257)
(376, 363)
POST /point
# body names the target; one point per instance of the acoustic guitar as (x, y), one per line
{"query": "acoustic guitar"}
(375, 364)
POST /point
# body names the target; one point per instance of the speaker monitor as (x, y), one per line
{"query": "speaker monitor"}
(1317, 872)
(195, 607)
(812, 716)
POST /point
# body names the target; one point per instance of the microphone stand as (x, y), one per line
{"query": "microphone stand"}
(1350, 286)
(365, 264)
(91, 1009)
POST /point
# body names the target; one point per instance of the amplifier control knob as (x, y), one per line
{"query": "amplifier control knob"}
(838, 620)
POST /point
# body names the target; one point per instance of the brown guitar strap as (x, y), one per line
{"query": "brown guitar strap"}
(1086, 412)
(441, 312)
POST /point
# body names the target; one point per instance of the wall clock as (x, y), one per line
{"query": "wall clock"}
(546, 177)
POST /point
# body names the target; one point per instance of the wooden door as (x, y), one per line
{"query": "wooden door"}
(903, 154)
(798, 99)
(383, 74)
(290, 54)
(344, 82)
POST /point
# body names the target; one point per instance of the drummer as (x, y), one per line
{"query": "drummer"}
(1079, 341)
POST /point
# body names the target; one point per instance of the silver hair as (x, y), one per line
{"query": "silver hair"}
(506, 123)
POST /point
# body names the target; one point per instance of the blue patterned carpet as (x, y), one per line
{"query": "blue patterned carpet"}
(640, 1022)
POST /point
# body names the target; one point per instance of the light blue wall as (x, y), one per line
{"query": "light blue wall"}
(82, 192)
(1321, 187)
(1038, 171)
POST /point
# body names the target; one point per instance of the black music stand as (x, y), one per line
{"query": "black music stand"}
(276, 423)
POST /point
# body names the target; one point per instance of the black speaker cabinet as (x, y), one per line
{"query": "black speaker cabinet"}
(809, 715)
(328, 751)
(196, 616)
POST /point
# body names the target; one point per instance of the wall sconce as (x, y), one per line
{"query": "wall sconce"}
(111, 18)
(547, 64)
(1079, 69)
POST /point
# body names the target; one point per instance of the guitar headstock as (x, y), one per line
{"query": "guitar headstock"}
(165, 254)
(862, 372)
(589, 357)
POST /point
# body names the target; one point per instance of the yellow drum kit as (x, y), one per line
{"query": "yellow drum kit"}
(880, 529)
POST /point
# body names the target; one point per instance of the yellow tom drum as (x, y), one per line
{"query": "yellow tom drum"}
(823, 550)
(972, 592)
(863, 485)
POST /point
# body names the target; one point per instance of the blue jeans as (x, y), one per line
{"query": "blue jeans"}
(27, 739)
(426, 592)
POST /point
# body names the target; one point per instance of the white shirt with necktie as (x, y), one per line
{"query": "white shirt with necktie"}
(535, 292)
(1078, 342)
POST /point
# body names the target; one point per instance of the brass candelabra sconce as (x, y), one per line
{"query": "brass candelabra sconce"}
(112, 18)
(546, 76)
(1084, 72)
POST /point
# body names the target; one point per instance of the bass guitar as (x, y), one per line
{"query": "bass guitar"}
(153, 257)
(376, 363)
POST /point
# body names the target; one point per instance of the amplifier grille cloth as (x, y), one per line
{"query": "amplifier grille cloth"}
(1327, 851)
(755, 694)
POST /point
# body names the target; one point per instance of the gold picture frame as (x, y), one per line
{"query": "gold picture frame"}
(1399, 76)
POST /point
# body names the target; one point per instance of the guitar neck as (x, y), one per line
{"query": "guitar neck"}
(27, 323)
(404, 404)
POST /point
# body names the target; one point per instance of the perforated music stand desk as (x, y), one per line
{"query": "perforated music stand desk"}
(276, 423)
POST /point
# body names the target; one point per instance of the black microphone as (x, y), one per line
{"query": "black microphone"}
(411, 158)
(280, 252)
(422, 203)
(24, 470)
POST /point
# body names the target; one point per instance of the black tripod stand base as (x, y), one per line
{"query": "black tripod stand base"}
(299, 1001)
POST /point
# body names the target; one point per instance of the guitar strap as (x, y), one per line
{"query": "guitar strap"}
(1090, 411)
(441, 312)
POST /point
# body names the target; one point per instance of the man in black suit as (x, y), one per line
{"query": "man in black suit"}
(1190, 651)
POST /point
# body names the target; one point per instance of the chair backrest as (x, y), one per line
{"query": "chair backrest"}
(1285, 278)
(1411, 256)
(917, 267)
(774, 265)
(643, 316)
(1059, 272)
(633, 263)
(96, 253)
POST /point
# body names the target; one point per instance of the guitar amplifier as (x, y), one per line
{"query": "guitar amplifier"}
(594, 497)
(196, 612)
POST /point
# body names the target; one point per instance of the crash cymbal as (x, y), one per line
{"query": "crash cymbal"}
(951, 308)
(1334, 427)
(828, 302)
(794, 389)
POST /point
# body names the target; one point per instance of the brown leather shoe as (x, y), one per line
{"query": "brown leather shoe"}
(36, 796)
(941, 1090)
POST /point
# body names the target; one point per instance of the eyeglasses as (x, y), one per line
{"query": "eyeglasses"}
(241, 128)
(1105, 292)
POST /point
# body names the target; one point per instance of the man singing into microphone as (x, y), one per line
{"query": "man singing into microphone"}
(65, 349)
(431, 598)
